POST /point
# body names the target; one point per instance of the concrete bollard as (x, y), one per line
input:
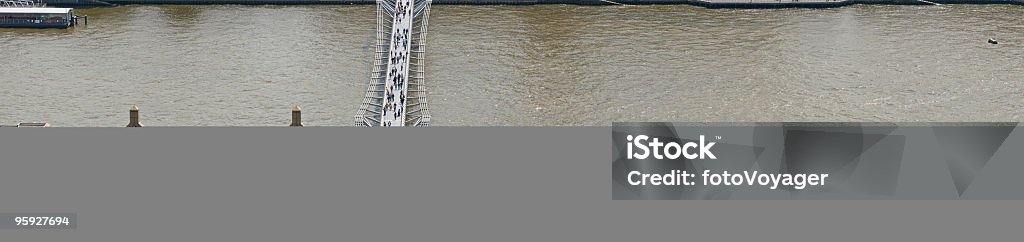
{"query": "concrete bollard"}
(133, 117)
(296, 117)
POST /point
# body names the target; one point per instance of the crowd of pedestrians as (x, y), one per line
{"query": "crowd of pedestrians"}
(394, 93)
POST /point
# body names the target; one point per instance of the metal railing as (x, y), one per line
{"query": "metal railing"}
(33, 21)
(21, 4)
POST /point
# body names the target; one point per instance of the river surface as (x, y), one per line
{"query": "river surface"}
(523, 65)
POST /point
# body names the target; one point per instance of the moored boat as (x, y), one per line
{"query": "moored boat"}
(31, 14)
(36, 17)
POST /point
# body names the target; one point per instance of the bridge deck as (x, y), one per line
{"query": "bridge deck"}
(396, 95)
(398, 66)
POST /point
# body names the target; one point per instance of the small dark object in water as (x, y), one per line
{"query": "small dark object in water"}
(992, 41)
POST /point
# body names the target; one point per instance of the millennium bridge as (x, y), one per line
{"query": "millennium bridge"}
(396, 94)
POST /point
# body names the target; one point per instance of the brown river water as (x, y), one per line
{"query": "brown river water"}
(538, 65)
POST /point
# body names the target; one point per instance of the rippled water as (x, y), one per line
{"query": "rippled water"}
(524, 65)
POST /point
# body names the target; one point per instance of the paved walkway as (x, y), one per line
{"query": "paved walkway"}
(397, 81)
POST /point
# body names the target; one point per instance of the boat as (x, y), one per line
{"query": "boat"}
(28, 14)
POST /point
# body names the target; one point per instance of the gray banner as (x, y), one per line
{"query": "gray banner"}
(415, 184)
